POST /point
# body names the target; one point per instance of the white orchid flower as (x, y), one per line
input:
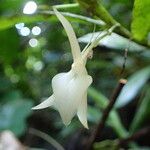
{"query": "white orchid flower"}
(70, 88)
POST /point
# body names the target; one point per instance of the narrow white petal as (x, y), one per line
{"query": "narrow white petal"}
(71, 35)
(48, 102)
(67, 116)
(82, 111)
(63, 102)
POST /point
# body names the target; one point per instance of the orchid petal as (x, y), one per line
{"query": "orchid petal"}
(66, 116)
(82, 111)
(48, 102)
(69, 89)
(76, 52)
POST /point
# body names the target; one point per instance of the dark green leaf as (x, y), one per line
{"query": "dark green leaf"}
(98, 97)
(9, 52)
(93, 114)
(4, 83)
(142, 113)
(14, 113)
(106, 145)
(11, 21)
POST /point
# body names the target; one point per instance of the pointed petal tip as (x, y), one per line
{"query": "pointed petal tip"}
(35, 108)
(82, 111)
(48, 102)
(40, 106)
(85, 124)
(66, 123)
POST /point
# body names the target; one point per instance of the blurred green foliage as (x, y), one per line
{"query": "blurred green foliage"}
(141, 16)
(13, 112)
(26, 70)
(142, 113)
(133, 86)
(107, 145)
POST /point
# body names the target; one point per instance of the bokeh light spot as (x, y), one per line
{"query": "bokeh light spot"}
(30, 7)
(36, 30)
(33, 42)
(25, 31)
(19, 26)
(38, 66)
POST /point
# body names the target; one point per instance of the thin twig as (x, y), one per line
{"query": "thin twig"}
(46, 137)
(67, 14)
(134, 136)
(97, 40)
(106, 112)
(63, 6)
(124, 62)
(125, 58)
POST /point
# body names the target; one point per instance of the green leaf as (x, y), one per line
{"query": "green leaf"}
(13, 95)
(9, 52)
(13, 114)
(113, 120)
(142, 113)
(96, 8)
(133, 86)
(141, 19)
(9, 7)
(11, 21)
(106, 145)
(4, 84)
(93, 114)
(114, 41)
(98, 97)
(8, 22)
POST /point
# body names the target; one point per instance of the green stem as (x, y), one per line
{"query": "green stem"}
(83, 18)
(96, 41)
(115, 123)
(63, 6)
(97, 10)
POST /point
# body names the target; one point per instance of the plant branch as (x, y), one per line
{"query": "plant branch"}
(83, 18)
(134, 136)
(63, 6)
(46, 137)
(95, 8)
(97, 40)
(106, 112)
(112, 101)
